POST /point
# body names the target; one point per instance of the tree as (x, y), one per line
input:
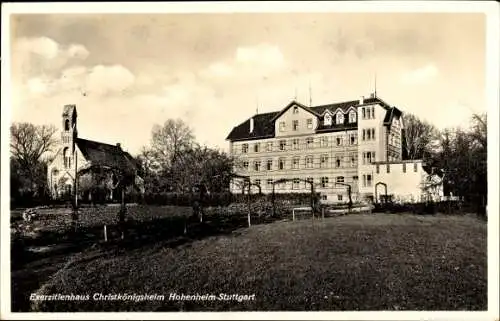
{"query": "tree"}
(170, 140)
(417, 137)
(202, 164)
(30, 146)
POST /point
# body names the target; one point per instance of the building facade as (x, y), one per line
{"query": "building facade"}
(330, 145)
(75, 154)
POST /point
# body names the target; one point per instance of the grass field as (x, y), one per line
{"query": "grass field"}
(356, 262)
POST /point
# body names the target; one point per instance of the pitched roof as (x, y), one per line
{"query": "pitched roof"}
(264, 123)
(69, 109)
(263, 128)
(390, 115)
(105, 154)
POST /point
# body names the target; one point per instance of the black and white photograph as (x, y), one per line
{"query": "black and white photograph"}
(250, 160)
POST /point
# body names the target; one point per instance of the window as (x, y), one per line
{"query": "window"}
(256, 147)
(339, 141)
(66, 125)
(404, 167)
(353, 160)
(368, 157)
(65, 157)
(245, 165)
(295, 125)
(324, 182)
(295, 163)
(339, 197)
(328, 120)
(415, 167)
(324, 141)
(339, 179)
(295, 143)
(369, 180)
(337, 162)
(388, 168)
(257, 181)
(323, 161)
(364, 134)
(340, 118)
(269, 164)
(282, 126)
(364, 180)
(352, 139)
(363, 112)
(281, 163)
(270, 146)
(269, 182)
(352, 116)
(295, 109)
(309, 142)
(244, 148)
(378, 169)
(355, 179)
(309, 162)
(256, 166)
(373, 112)
(373, 133)
(309, 123)
(282, 144)
(368, 134)
(295, 183)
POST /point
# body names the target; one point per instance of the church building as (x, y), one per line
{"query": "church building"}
(75, 154)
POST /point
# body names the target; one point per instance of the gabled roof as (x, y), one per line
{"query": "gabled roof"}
(390, 114)
(294, 103)
(264, 123)
(98, 153)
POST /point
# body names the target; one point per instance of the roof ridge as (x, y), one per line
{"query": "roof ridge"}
(94, 141)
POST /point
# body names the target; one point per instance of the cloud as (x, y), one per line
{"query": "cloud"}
(34, 57)
(262, 54)
(421, 75)
(42, 46)
(99, 80)
(104, 79)
(249, 62)
(78, 51)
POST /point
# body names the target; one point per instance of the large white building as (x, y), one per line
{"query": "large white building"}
(356, 142)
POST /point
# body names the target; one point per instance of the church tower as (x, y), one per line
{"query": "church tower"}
(69, 134)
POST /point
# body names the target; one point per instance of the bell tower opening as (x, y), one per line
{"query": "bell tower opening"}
(69, 133)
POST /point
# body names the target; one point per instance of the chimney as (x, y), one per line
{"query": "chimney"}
(361, 100)
(251, 125)
(118, 145)
(372, 95)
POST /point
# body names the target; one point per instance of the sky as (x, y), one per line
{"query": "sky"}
(128, 72)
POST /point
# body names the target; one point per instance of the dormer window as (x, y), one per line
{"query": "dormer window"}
(328, 120)
(340, 118)
(352, 116)
(295, 109)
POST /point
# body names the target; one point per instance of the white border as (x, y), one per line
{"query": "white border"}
(490, 9)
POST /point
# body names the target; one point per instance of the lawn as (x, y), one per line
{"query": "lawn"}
(355, 262)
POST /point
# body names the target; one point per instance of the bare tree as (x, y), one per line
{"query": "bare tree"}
(418, 135)
(170, 140)
(30, 146)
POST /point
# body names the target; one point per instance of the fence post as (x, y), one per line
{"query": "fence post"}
(323, 213)
(249, 202)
